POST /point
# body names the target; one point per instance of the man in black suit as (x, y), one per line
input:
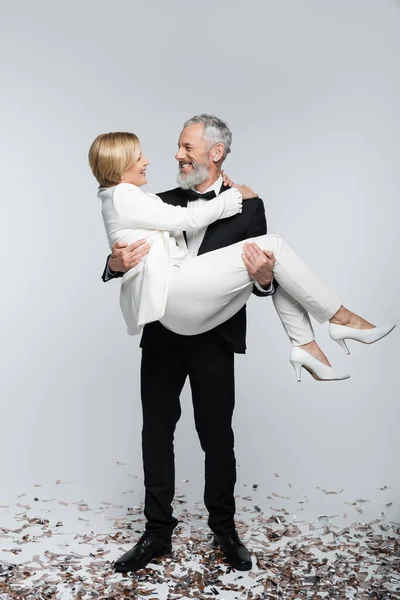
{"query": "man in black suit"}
(207, 359)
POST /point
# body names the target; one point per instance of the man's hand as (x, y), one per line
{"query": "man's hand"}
(125, 257)
(259, 264)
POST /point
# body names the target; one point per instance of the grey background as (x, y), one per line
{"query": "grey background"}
(311, 91)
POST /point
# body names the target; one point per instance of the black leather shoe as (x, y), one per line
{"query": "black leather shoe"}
(235, 551)
(148, 547)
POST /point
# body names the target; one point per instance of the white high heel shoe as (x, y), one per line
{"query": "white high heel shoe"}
(339, 333)
(300, 358)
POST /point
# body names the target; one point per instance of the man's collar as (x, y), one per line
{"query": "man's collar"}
(215, 187)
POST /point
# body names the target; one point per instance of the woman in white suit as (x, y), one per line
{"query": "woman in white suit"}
(193, 295)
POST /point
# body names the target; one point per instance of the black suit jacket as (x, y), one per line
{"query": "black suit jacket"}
(251, 222)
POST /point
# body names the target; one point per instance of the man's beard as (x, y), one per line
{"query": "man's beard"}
(196, 177)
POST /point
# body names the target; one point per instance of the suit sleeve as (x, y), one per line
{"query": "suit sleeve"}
(108, 274)
(147, 211)
(258, 226)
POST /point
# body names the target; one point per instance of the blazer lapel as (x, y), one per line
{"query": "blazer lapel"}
(180, 198)
(213, 232)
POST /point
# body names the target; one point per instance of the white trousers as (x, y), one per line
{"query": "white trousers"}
(207, 290)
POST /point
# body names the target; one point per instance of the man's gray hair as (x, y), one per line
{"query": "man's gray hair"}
(216, 131)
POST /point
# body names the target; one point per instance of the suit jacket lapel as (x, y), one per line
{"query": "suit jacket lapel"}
(212, 232)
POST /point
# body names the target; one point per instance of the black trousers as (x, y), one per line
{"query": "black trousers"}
(208, 361)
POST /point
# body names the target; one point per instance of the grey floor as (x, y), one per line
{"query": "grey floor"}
(53, 545)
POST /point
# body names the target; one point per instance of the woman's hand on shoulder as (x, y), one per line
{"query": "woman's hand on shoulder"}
(226, 180)
(245, 190)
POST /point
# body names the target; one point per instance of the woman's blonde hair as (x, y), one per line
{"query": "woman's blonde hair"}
(111, 154)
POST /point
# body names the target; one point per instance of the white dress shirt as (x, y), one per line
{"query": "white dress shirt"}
(196, 236)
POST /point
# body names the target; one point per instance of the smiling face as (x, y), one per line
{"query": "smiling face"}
(136, 173)
(197, 163)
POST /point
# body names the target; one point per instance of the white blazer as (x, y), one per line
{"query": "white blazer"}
(129, 215)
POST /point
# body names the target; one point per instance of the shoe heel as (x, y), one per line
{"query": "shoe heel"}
(343, 345)
(297, 367)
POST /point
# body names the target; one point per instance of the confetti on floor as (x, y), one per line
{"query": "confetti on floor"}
(71, 557)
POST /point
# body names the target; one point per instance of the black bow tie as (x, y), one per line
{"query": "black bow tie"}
(192, 195)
